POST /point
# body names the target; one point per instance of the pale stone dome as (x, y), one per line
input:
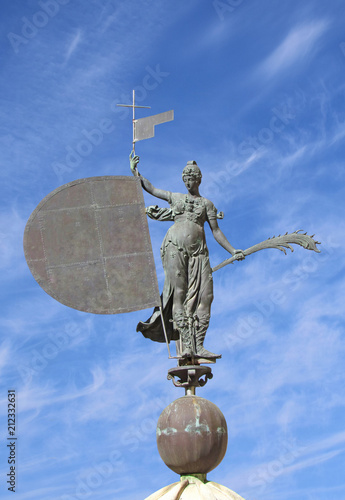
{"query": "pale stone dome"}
(193, 488)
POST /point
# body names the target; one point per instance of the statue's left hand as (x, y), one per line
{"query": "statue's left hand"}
(239, 255)
(133, 160)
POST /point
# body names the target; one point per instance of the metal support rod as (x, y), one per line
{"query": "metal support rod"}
(133, 121)
(133, 106)
(190, 391)
(165, 332)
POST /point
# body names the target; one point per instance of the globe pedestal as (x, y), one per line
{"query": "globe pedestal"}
(192, 435)
(192, 439)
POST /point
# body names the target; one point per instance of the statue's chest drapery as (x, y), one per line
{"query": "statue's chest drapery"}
(191, 209)
(187, 233)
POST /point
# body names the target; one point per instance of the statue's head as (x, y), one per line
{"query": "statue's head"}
(192, 170)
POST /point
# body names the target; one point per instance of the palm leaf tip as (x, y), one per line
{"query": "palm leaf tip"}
(308, 242)
(302, 239)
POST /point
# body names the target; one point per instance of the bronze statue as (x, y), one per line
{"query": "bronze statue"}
(188, 289)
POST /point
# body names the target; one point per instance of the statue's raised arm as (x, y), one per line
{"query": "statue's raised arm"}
(146, 184)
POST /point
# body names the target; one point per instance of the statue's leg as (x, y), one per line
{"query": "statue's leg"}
(177, 266)
(180, 318)
(181, 321)
(202, 325)
(203, 313)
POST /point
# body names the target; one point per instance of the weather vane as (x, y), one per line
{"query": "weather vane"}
(144, 128)
(88, 245)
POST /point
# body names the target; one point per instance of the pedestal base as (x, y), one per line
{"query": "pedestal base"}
(189, 377)
(194, 488)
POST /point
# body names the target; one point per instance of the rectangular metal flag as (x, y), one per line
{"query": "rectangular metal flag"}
(144, 128)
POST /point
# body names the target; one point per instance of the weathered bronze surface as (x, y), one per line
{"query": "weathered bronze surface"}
(280, 243)
(190, 377)
(87, 244)
(192, 435)
(188, 289)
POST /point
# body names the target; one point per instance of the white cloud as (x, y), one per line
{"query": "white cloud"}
(294, 48)
(33, 399)
(73, 44)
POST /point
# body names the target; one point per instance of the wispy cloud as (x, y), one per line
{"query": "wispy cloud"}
(31, 400)
(73, 44)
(300, 42)
(263, 479)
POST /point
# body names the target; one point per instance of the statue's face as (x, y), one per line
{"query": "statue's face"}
(191, 182)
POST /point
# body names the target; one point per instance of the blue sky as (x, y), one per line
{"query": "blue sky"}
(258, 91)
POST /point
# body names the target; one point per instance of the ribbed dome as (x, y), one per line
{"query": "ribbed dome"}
(192, 488)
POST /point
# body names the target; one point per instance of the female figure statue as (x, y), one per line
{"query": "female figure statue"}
(188, 288)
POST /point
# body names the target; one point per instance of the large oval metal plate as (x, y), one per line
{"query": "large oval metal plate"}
(87, 244)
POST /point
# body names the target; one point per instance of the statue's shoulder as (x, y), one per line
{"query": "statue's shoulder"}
(175, 197)
(208, 203)
(211, 210)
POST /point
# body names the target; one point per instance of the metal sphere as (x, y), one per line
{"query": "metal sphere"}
(192, 435)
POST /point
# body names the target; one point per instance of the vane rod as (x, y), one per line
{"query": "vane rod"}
(133, 106)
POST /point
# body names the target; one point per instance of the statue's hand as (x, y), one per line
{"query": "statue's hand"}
(239, 255)
(133, 160)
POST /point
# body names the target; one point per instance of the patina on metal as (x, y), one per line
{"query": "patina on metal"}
(192, 435)
(87, 244)
(190, 377)
(280, 243)
(188, 289)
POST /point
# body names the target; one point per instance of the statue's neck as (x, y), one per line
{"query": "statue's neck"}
(194, 193)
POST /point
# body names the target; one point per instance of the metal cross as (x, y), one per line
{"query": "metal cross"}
(133, 106)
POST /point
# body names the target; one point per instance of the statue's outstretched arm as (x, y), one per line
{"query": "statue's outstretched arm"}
(220, 238)
(146, 184)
